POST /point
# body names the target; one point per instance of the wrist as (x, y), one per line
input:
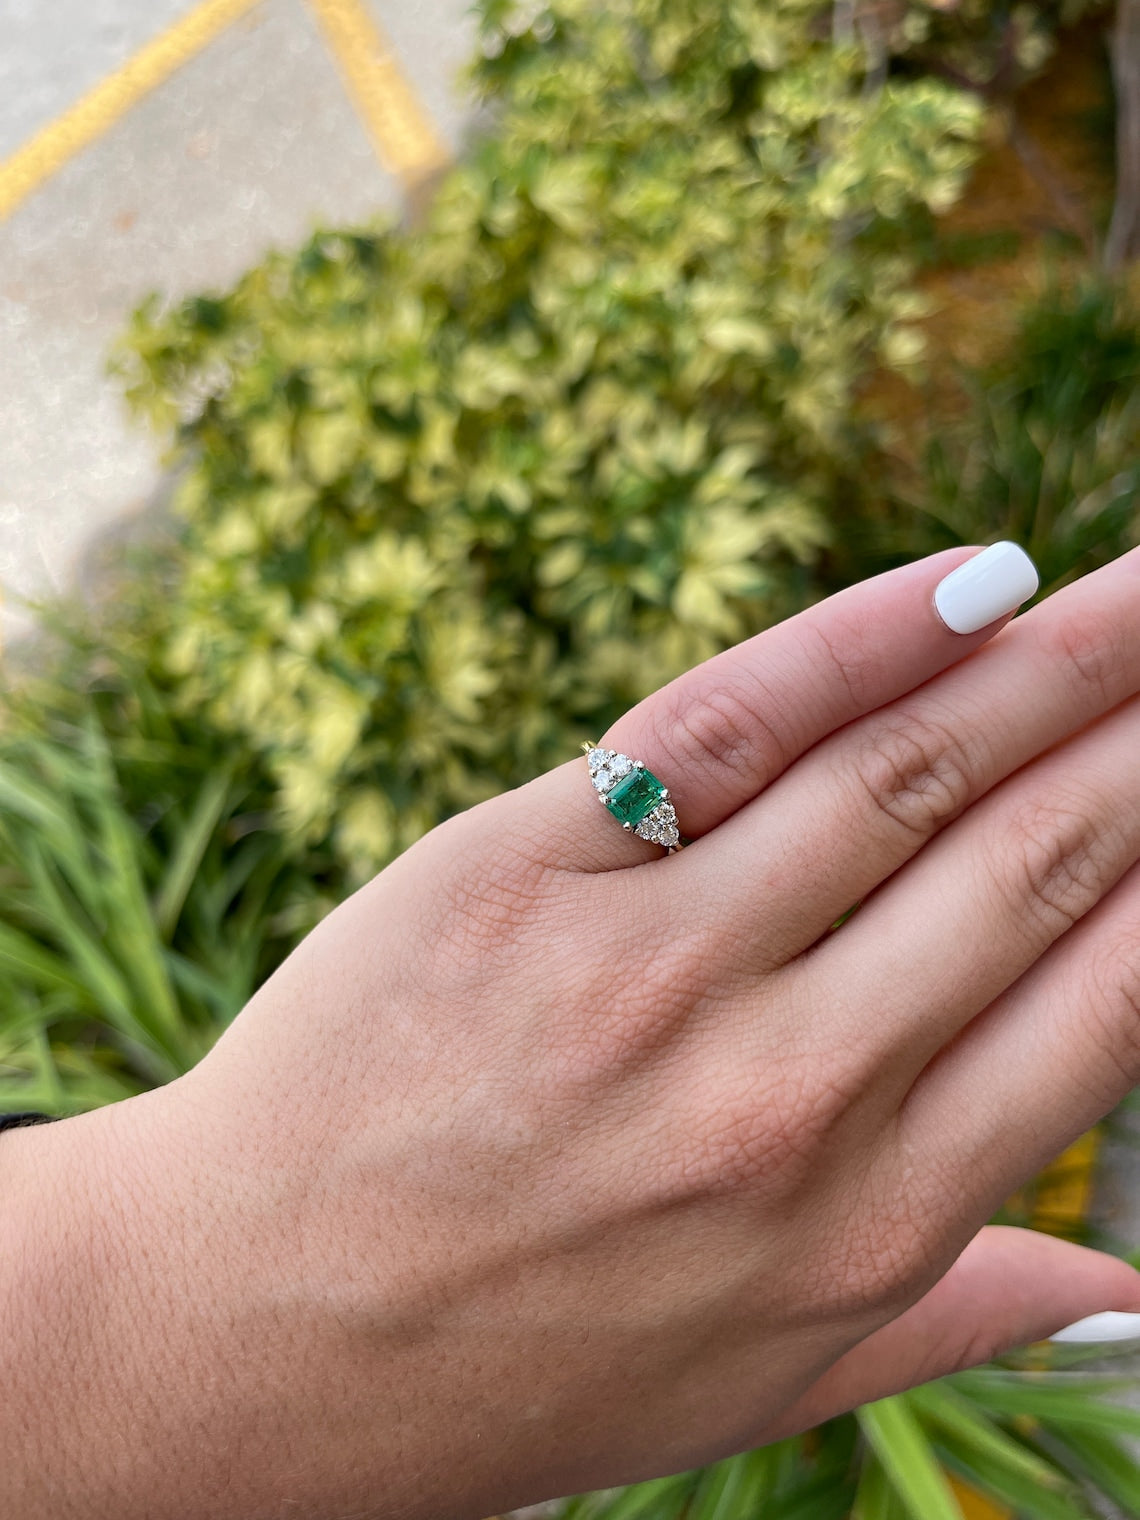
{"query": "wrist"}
(180, 1336)
(81, 1234)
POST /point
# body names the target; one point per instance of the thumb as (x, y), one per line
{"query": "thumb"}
(1008, 1288)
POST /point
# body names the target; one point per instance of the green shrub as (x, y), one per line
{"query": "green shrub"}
(143, 894)
(991, 47)
(1047, 455)
(455, 498)
(1044, 451)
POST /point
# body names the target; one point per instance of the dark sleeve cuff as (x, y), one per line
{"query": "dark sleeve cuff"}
(15, 1121)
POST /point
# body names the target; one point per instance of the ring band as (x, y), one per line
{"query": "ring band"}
(635, 797)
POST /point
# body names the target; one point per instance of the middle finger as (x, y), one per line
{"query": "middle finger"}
(965, 920)
(865, 801)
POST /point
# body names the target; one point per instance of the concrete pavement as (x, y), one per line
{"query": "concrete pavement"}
(273, 125)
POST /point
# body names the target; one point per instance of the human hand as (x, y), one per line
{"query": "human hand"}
(547, 1164)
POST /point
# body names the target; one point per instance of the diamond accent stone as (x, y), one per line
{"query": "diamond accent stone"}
(607, 768)
(660, 826)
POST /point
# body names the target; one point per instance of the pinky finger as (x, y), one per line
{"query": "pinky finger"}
(1040, 1066)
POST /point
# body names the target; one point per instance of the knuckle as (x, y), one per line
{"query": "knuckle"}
(766, 1135)
(1093, 650)
(875, 1269)
(1061, 861)
(496, 902)
(638, 1013)
(1112, 1023)
(737, 720)
(730, 724)
(851, 651)
(876, 1273)
(888, 1256)
(487, 890)
(914, 771)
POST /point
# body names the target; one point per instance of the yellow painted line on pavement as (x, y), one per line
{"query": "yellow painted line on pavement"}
(111, 98)
(401, 130)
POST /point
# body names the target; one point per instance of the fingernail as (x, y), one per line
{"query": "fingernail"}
(986, 587)
(1100, 1328)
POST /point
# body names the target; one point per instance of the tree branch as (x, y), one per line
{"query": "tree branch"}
(1123, 241)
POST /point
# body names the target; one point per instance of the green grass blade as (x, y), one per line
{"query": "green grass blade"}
(194, 840)
(758, 1474)
(717, 1494)
(27, 1012)
(104, 986)
(95, 969)
(24, 957)
(215, 992)
(875, 1498)
(47, 1074)
(898, 1441)
(60, 832)
(84, 905)
(1056, 1401)
(92, 1079)
(823, 1498)
(130, 922)
(951, 1414)
(581, 1507)
(1110, 1466)
(25, 800)
(734, 1490)
(1009, 1485)
(655, 1500)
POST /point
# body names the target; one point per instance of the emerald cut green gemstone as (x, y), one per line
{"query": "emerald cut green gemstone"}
(634, 796)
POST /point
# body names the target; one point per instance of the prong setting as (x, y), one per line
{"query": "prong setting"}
(632, 793)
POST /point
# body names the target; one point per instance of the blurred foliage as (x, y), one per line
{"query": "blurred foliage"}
(1039, 446)
(457, 497)
(988, 47)
(993, 46)
(144, 895)
(1047, 453)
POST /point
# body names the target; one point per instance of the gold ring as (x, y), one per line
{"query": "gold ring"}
(635, 797)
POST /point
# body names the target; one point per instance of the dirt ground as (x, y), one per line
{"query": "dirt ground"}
(1038, 201)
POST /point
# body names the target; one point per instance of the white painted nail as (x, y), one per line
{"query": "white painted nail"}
(985, 588)
(1098, 1329)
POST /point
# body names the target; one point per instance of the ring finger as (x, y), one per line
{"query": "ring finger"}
(1051, 1056)
(722, 732)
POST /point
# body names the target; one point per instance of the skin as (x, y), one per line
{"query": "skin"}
(548, 1162)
